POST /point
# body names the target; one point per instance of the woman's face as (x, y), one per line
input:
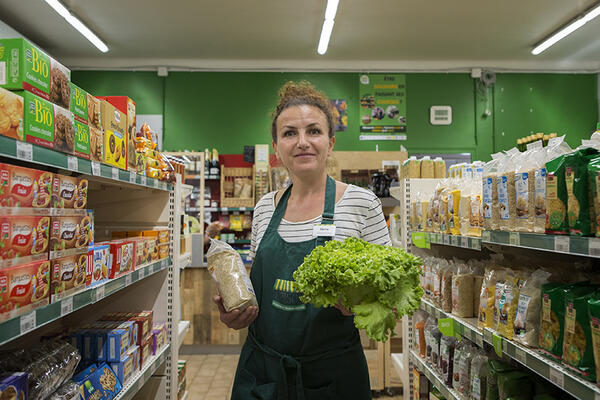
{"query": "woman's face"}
(303, 141)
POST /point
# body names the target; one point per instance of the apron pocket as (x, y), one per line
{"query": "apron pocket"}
(323, 393)
(265, 391)
(285, 297)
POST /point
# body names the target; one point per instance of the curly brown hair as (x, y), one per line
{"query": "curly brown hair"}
(299, 94)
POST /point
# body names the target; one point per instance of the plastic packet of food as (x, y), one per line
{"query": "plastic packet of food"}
(525, 191)
(440, 168)
(448, 271)
(419, 320)
(446, 363)
(506, 190)
(475, 206)
(580, 210)
(485, 317)
(527, 320)
(556, 192)
(507, 307)
(462, 292)
(490, 205)
(427, 167)
(227, 269)
(479, 374)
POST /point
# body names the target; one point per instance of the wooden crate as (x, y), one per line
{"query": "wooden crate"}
(228, 179)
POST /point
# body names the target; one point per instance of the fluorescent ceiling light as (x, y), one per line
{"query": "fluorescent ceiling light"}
(77, 24)
(567, 30)
(330, 13)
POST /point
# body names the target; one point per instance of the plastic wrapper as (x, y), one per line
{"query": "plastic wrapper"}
(462, 292)
(459, 349)
(427, 167)
(49, 365)
(485, 318)
(527, 318)
(491, 207)
(464, 370)
(525, 191)
(432, 341)
(227, 269)
(439, 168)
(507, 309)
(506, 190)
(446, 363)
(479, 374)
(419, 320)
(68, 391)
(448, 270)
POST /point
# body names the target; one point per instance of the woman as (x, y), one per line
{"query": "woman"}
(294, 350)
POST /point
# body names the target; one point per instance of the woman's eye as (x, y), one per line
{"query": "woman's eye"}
(288, 133)
(315, 131)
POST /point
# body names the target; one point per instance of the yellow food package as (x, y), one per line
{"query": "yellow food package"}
(453, 203)
(485, 317)
(235, 223)
(443, 211)
(153, 172)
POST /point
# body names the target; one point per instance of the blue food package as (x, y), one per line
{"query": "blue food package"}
(13, 385)
(83, 374)
(89, 346)
(103, 384)
(117, 344)
(101, 344)
(124, 368)
(134, 353)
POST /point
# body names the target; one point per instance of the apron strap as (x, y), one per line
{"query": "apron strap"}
(328, 209)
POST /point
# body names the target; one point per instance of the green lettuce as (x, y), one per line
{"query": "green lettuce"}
(379, 284)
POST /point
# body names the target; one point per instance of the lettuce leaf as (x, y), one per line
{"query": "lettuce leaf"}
(379, 284)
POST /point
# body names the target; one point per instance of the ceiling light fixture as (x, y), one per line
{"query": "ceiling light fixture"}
(571, 27)
(330, 13)
(77, 24)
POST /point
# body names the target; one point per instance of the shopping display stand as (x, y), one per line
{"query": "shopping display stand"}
(510, 242)
(121, 200)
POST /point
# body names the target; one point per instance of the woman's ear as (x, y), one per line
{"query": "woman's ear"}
(275, 150)
(331, 143)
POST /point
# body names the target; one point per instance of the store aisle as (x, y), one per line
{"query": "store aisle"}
(210, 376)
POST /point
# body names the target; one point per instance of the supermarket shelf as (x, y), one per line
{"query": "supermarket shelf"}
(16, 149)
(433, 377)
(575, 245)
(230, 209)
(554, 372)
(466, 327)
(185, 260)
(184, 328)
(139, 379)
(465, 242)
(23, 324)
(205, 177)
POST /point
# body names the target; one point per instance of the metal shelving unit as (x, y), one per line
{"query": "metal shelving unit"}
(465, 242)
(136, 382)
(574, 245)
(433, 377)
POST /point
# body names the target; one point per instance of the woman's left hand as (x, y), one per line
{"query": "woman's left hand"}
(343, 309)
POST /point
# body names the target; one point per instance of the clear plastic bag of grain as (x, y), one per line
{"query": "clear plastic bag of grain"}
(525, 192)
(227, 269)
(506, 190)
(490, 206)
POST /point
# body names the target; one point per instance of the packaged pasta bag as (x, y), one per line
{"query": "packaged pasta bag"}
(553, 315)
(578, 352)
(525, 192)
(506, 190)
(500, 286)
(594, 312)
(594, 185)
(462, 292)
(485, 318)
(443, 207)
(527, 318)
(475, 216)
(491, 207)
(537, 159)
(453, 208)
(580, 210)
(507, 306)
(556, 197)
(464, 209)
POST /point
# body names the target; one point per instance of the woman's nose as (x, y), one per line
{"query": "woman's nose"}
(302, 140)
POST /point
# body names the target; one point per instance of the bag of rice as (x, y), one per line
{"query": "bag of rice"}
(227, 269)
(527, 319)
(485, 317)
(446, 287)
(580, 211)
(507, 307)
(538, 161)
(525, 192)
(477, 283)
(506, 190)
(500, 283)
(462, 292)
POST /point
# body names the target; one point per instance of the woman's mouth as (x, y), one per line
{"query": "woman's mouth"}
(304, 155)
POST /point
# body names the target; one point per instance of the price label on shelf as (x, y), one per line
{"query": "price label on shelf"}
(66, 306)
(479, 340)
(497, 343)
(242, 209)
(486, 236)
(142, 272)
(128, 279)
(154, 182)
(224, 209)
(132, 176)
(143, 179)
(464, 242)
(594, 248)
(141, 383)
(72, 163)
(99, 293)
(447, 240)
(521, 356)
(562, 244)
(24, 151)
(454, 240)
(27, 322)
(95, 168)
(115, 173)
(514, 239)
(557, 377)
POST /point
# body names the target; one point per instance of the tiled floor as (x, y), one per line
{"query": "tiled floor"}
(210, 376)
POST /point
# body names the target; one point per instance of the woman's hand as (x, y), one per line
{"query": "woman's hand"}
(343, 309)
(235, 319)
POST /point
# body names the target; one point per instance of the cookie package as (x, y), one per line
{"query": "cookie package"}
(26, 287)
(31, 69)
(114, 125)
(11, 114)
(128, 107)
(13, 385)
(25, 187)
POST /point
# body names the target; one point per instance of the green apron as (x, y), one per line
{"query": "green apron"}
(295, 351)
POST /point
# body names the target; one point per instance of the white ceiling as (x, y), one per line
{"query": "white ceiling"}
(375, 35)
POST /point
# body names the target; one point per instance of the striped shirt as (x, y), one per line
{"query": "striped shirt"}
(357, 214)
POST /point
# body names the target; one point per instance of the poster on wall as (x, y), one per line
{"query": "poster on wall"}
(340, 114)
(383, 105)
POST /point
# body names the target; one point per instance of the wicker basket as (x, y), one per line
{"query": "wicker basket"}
(229, 178)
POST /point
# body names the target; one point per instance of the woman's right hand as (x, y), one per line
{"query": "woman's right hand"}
(235, 319)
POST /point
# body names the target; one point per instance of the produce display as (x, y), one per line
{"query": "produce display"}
(379, 284)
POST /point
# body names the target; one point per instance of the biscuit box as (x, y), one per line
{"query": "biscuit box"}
(79, 106)
(47, 124)
(159, 333)
(81, 134)
(84, 373)
(145, 351)
(23, 236)
(114, 125)
(98, 264)
(130, 326)
(71, 232)
(121, 252)
(117, 344)
(89, 346)
(126, 106)
(11, 114)
(102, 384)
(24, 187)
(67, 276)
(143, 320)
(27, 67)
(134, 353)
(140, 254)
(163, 251)
(94, 123)
(124, 368)
(152, 248)
(13, 385)
(69, 192)
(23, 288)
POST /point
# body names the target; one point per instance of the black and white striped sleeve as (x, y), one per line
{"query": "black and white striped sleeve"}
(375, 228)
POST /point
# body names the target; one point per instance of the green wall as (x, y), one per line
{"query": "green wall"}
(227, 110)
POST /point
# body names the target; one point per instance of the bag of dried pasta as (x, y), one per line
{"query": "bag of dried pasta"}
(500, 287)
(538, 161)
(453, 207)
(525, 192)
(594, 184)
(556, 197)
(506, 190)
(527, 320)
(580, 211)
(594, 312)
(227, 269)
(509, 300)
(475, 217)
(578, 351)
(485, 318)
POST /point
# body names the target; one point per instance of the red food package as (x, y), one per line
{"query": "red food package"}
(24, 288)
(23, 236)
(122, 255)
(24, 187)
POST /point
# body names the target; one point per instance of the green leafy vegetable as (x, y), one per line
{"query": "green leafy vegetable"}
(374, 282)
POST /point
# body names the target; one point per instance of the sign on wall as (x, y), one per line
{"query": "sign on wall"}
(382, 103)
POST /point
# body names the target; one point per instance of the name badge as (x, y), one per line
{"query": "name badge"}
(324, 230)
